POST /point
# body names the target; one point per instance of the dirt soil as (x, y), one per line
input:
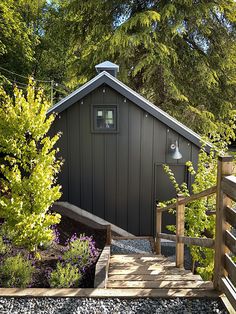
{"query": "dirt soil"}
(50, 255)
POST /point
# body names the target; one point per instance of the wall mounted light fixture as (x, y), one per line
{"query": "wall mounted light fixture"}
(174, 151)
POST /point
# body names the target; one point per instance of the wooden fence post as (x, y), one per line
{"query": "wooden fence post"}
(158, 229)
(108, 239)
(225, 168)
(180, 210)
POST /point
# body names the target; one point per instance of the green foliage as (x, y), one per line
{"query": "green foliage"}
(28, 168)
(3, 247)
(16, 272)
(179, 54)
(16, 38)
(64, 276)
(197, 222)
(78, 253)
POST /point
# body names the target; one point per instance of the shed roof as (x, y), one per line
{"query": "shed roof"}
(106, 78)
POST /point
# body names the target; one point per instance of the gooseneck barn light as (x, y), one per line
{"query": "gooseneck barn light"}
(175, 153)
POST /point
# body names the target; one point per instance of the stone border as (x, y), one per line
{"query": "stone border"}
(101, 270)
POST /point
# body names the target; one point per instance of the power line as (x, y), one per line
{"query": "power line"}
(19, 84)
(25, 77)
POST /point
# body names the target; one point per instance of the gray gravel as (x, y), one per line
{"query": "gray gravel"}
(115, 305)
(131, 246)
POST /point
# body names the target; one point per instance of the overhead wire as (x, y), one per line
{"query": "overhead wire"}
(25, 77)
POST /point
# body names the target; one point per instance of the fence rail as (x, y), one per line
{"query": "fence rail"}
(225, 242)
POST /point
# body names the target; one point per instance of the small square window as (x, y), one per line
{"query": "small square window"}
(104, 118)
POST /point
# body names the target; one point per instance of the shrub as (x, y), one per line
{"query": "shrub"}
(64, 276)
(3, 247)
(28, 167)
(81, 251)
(16, 272)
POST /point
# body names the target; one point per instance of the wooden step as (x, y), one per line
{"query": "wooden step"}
(197, 284)
(144, 271)
(131, 277)
(147, 256)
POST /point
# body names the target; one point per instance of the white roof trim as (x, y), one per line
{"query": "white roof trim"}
(77, 91)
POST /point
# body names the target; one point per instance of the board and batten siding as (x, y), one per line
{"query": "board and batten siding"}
(112, 175)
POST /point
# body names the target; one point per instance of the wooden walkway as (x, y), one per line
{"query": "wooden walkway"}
(149, 271)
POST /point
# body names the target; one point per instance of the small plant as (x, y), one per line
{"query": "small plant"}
(65, 276)
(78, 256)
(81, 251)
(15, 271)
(3, 247)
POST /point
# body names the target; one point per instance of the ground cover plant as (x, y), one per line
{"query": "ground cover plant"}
(62, 264)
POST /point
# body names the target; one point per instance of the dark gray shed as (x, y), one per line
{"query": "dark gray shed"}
(114, 144)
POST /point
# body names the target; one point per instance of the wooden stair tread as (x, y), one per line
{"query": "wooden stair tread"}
(197, 284)
(145, 271)
(148, 256)
(145, 277)
(149, 271)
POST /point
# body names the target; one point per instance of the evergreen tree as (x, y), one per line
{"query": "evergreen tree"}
(28, 168)
(179, 54)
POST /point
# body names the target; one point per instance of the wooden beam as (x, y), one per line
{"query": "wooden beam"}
(180, 212)
(230, 241)
(161, 284)
(225, 166)
(158, 230)
(227, 304)
(231, 269)
(203, 242)
(229, 291)
(190, 198)
(230, 216)
(166, 208)
(167, 236)
(101, 270)
(108, 293)
(131, 277)
(196, 196)
(108, 238)
(228, 186)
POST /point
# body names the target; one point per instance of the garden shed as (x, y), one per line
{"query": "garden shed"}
(114, 144)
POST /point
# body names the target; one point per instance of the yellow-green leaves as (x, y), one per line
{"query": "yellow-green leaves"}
(28, 167)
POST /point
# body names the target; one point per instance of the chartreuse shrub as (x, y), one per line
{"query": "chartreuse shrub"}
(197, 222)
(16, 271)
(65, 276)
(28, 167)
(77, 257)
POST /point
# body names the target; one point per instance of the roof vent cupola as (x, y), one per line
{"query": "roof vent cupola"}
(107, 66)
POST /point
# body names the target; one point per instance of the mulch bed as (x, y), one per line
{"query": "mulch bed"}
(52, 254)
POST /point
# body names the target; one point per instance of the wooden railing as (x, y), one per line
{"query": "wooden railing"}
(224, 243)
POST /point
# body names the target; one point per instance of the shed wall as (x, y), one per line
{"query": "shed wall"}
(113, 175)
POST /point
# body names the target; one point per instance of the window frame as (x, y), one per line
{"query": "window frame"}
(94, 109)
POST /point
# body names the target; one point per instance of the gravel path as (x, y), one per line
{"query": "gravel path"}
(131, 246)
(112, 306)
